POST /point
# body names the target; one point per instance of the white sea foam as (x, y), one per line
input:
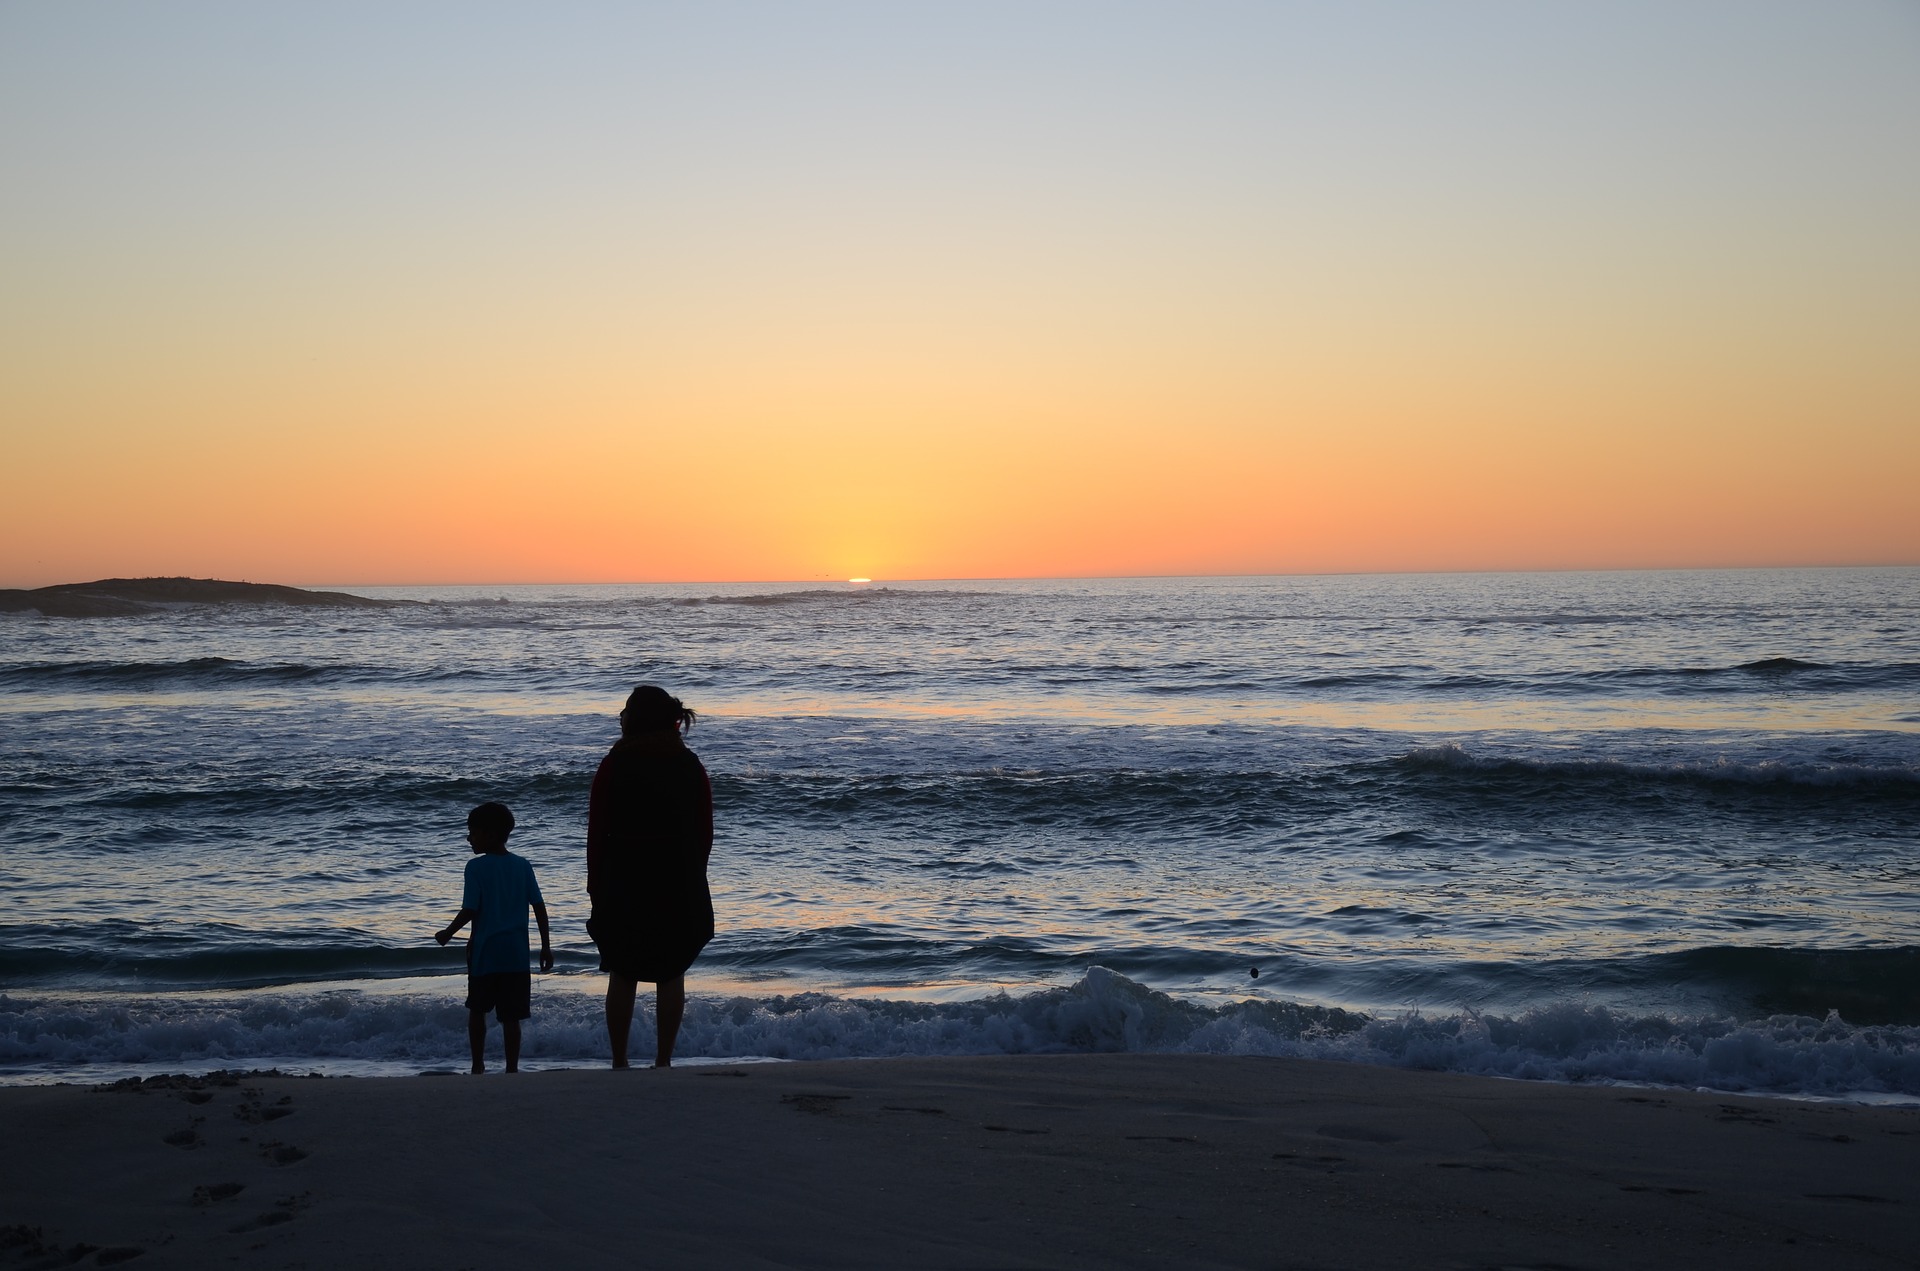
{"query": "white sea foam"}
(348, 1031)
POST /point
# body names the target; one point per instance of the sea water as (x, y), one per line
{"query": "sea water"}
(1649, 827)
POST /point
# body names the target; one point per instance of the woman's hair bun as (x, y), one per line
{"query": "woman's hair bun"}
(651, 708)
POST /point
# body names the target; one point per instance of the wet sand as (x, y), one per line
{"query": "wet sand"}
(1072, 1161)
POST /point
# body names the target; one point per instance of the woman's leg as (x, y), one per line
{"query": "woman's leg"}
(620, 992)
(670, 1004)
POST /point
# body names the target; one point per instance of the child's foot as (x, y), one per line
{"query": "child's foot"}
(478, 1070)
(513, 1069)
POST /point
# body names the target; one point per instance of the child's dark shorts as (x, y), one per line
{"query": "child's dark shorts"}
(508, 994)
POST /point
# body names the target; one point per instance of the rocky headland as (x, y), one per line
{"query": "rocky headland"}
(125, 597)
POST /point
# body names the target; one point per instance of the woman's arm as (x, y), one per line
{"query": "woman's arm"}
(706, 850)
(599, 817)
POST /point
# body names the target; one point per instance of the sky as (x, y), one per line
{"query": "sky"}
(354, 292)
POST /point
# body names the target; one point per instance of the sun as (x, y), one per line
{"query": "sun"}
(859, 580)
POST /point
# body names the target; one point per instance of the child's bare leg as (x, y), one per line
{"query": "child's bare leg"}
(670, 1004)
(510, 1038)
(620, 991)
(477, 1039)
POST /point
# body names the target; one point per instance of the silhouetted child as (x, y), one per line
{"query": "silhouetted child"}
(499, 890)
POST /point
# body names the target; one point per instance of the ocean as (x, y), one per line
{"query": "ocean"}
(1645, 827)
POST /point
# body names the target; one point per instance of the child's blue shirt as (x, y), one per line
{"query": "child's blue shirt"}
(499, 888)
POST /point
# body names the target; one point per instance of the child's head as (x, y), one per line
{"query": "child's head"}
(488, 826)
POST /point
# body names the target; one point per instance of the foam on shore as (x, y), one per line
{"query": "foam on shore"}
(349, 1032)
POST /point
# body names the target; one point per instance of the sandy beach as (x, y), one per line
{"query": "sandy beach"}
(1122, 1160)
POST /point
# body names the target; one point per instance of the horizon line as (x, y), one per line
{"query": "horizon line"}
(825, 579)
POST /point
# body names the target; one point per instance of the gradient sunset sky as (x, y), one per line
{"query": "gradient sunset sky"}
(351, 292)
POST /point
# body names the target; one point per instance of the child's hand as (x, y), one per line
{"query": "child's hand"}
(546, 958)
(443, 935)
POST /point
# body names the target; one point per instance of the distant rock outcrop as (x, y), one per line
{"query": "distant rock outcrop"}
(120, 597)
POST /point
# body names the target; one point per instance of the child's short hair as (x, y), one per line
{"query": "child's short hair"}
(491, 819)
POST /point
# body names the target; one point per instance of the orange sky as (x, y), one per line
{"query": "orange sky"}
(950, 295)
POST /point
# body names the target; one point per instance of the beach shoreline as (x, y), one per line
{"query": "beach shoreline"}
(1006, 1161)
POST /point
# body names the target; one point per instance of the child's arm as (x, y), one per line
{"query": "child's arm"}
(546, 939)
(464, 917)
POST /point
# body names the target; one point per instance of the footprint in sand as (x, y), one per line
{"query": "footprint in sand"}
(272, 1218)
(1325, 1161)
(278, 1153)
(1357, 1134)
(282, 1212)
(254, 1112)
(210, 1193)
(182, 1138)
(1670, 1191)
(1744, 1116)
(30, 1242)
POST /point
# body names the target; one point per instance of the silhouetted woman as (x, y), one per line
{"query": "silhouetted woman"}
(649, 832)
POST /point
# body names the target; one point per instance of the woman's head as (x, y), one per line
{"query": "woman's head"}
(650, 710)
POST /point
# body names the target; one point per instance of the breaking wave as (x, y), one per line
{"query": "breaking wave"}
(1102, 1013)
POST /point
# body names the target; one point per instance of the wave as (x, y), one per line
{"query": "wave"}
(188, 963)
(1780, 666)
(393, 794)
(184, 671)
(218, 673)
(1878, 985)
(1237, 790)
(1870, 985)
(1764, 675)
(1109, 800)
(1249, 796)
(29, 674)
(1895, 779)
(1101, 1013)
(1866, 986)
(1100, 674)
